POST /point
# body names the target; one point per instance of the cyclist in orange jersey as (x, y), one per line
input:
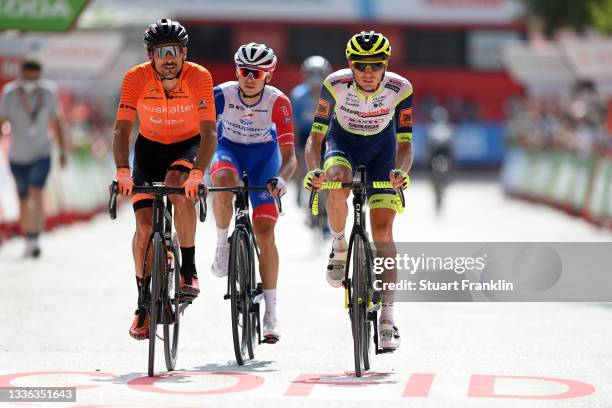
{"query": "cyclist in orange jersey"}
(174, 101)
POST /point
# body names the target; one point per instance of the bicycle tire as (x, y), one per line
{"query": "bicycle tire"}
(157, 267)
(253, 310)
(357, 303)
(238, 264)
(171, 331)
(368, 292)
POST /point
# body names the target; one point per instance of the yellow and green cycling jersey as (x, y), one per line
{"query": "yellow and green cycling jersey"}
(342, 104)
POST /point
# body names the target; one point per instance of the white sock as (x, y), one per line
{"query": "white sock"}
(270, 297)
(338, 240)
(222, 236)
(387, 312)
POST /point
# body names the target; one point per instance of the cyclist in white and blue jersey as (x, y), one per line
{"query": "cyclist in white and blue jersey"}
(255, 134)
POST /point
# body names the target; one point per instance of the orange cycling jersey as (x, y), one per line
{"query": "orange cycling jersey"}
(172, 118)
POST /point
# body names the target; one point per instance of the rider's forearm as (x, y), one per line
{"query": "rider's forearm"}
(313, 150)
(289, 163)
(208, 145)
(403, 159)
(121, 143)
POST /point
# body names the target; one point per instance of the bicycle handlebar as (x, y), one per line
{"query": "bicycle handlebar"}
(337, 185)
(164, 191)
(161, 190)
(240, 189)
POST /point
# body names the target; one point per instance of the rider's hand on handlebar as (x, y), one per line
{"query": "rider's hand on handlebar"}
(192, 185)
(399, 179)
(314, 179)
(124, 180)
(279, 188)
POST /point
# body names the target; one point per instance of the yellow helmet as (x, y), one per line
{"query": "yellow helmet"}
(370, 44)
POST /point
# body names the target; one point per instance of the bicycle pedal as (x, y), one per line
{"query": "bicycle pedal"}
(270, 340)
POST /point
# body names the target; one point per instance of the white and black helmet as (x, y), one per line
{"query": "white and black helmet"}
(255, 55)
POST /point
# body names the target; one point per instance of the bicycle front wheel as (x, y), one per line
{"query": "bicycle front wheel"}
(238, 271)
(358, 306)
(171, 329)
(159, 262)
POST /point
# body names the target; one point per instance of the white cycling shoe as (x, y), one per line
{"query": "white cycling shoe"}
(220, 264)
(271, 332)
(335, 266)
(389, 338)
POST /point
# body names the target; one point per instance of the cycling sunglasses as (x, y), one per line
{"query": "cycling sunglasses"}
(254, 73)
(163, 51)
(375, 66)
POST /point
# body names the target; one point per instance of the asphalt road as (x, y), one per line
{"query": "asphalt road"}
(64, 321)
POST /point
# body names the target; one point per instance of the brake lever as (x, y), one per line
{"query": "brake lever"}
(202, 201)
(113, 189)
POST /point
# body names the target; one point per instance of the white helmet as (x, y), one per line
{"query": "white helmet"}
(255, 55)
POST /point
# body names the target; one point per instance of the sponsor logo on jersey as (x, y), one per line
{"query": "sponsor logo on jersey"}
(247, 119)
(201, 103)
(126, 106)
(170, 110)
(322, 109)
(394, 88)
(345, 80)
(378, 112)
(317, 127)
(394, 82)
(405, 117)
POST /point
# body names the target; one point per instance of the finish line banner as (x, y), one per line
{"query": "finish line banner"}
(495, 271)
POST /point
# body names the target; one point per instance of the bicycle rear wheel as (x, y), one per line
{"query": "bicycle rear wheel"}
(171, 329)
(238, 270)
(158, 266)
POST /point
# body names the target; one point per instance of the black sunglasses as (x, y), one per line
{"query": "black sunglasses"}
(374, 66)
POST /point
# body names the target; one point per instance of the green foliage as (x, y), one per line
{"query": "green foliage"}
(601, 14)
(556, 14)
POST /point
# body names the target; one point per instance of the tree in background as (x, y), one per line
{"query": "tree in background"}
(601, 13)
(575, 14)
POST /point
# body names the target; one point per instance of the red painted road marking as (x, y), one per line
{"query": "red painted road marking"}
(419, 385)
(7, 379)
(246, 382)
(483, 386)
(304, 384)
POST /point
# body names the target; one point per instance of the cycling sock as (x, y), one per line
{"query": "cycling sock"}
(222, 236)
(32, 236)
(187, 255)
(387, 312)
(144, 294)
(270, 297)
(338, 240)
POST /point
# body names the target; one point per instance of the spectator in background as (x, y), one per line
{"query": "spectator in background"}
(30, 105)
(304, 98)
